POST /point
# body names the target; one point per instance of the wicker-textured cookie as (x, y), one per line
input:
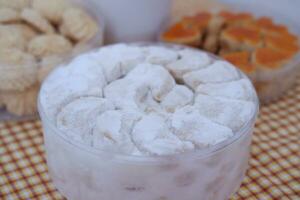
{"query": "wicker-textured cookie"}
(18, 70)
(48, 64)
(10, 38)
(8, 15)
(63, 30)
(51, 10)
(35, 19)
(22, 103)
(15, 4)
(27, 31)
(80, 48)
(79, 25)
(49, 44)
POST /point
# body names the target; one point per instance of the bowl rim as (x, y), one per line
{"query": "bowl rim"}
(246, 129)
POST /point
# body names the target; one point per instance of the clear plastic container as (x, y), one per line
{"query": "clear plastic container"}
(81, 172)
(270, 85)
(273, 85)
(96, 41)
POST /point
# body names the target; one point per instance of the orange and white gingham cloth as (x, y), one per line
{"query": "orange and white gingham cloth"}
(274, 171)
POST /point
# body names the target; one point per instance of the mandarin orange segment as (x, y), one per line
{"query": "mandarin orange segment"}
(241, 59)
(183, 34)
(270, 58)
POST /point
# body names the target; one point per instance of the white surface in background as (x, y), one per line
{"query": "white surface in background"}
(133, 20)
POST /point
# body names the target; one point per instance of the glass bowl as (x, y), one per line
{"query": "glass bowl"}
(82, 172)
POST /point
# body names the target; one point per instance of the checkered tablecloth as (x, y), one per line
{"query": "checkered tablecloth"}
(274, 166)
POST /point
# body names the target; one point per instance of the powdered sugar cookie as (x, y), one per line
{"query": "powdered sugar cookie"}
(47, 65)
(231, 113)
(112, 130)
(189, 125)
(52, 10)
(177, 98)
(11, 38)
(18, 70)
(152, 136)
(73, 83)
(120, 62)
(189, 61)
(22, 103)
(49, 44)
(76, 116)
(218, 72)
(79, 25)
(15, 4)
(241, 90)
(38, 21)
(156, 77)
(122, 89)
(160, 55)
(8, 15)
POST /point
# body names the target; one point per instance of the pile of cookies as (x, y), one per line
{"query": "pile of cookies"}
(258, 46)
(35, 37)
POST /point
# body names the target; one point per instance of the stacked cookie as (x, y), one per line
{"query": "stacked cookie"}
(35, 37)
(259, 47)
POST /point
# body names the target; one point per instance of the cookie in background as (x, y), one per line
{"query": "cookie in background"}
(36, 37)
(267, 51)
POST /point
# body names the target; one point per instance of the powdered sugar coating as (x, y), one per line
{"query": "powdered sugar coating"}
(189, 125)
(113, 129)
(153, 136)
(217, 72)
(77, 119)
(227, 112)
(178, 97)
(162, 100)
(189, 61)
(240, 89)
